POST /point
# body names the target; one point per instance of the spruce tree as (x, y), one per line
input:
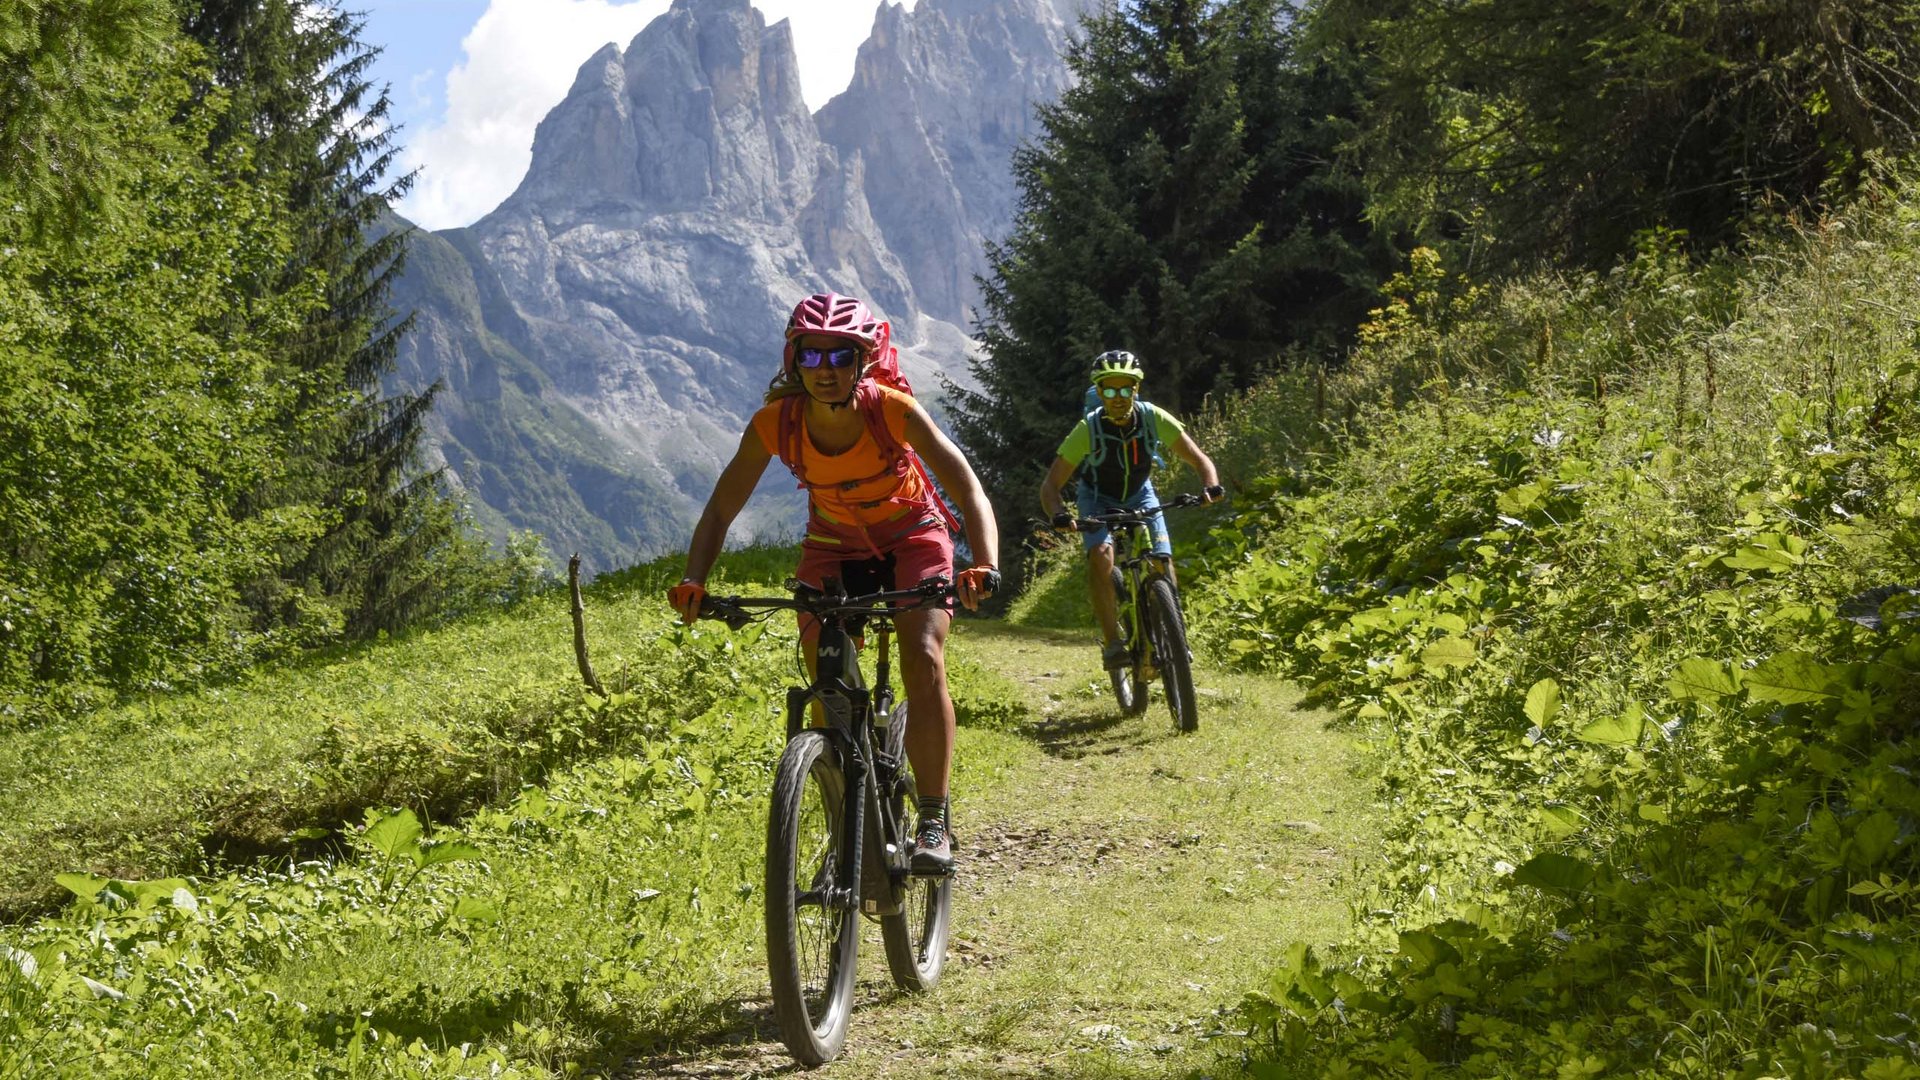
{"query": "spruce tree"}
(62, 64)
(1182, 203)
(300, 79)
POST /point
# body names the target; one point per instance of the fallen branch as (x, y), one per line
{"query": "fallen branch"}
(580, 627)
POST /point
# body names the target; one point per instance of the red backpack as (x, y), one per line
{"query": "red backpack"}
(867, 401)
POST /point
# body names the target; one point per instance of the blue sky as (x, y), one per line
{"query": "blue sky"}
(471, 78)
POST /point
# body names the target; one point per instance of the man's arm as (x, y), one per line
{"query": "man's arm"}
(1057, 478)
(1190, 452)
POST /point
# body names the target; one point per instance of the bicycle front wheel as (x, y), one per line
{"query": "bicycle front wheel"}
(916, 938)
(1170, 653)
(813, 920)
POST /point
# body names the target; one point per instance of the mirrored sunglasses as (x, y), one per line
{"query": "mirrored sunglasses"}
(1111, 392)
(843, 356)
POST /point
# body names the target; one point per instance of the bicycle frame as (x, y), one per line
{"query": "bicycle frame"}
(1137, 570)
(850, 709)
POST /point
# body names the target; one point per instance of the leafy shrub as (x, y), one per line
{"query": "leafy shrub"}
(1631, 627)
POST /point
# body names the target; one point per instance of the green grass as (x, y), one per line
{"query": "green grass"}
(608, 914)
(443, 721)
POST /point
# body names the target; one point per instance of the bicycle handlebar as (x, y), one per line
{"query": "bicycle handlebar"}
(738, 611)
(1142, 516)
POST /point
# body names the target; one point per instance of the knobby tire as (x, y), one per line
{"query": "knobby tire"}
(916, 937)
(1169, 632)
(811, 948)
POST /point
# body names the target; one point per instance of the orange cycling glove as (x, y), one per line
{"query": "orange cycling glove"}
(685, 598)
(977, 583)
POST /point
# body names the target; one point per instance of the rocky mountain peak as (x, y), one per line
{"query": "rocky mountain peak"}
(703, 111)
(940, 97)
(606, 332)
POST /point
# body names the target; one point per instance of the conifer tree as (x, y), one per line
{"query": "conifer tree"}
(62, 63)
(1182, 203)
(299, 77)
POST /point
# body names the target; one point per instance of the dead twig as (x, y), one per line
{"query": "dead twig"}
(580, 628)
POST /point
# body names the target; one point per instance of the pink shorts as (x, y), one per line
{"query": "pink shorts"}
(912, 550)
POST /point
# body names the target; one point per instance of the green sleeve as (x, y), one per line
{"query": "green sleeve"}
(1166, 429)
(1077, 444)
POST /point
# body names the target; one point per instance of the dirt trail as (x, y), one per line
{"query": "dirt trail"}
(1119, 885)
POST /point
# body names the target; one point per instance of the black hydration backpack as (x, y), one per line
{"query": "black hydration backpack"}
(1118, 464)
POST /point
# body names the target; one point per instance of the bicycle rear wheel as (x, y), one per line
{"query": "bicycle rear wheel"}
(916, 938)
(1169, 634)
(813, 923)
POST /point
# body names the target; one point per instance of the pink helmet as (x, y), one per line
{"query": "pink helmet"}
(841, 316)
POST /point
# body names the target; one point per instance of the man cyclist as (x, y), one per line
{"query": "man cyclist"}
(1114, 448)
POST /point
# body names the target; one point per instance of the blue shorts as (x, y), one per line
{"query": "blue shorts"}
(1092, 503)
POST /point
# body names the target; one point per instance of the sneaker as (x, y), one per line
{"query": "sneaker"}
(932, 849)
(1115, 655)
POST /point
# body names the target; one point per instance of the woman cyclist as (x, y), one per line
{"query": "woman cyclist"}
(871, 512)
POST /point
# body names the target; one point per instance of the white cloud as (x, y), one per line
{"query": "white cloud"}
(521, 56)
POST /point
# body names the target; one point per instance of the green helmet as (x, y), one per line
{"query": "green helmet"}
(1116, 362)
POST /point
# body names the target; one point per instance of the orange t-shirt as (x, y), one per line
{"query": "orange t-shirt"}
(879, 498)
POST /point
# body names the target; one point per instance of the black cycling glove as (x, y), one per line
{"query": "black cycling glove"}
(1063, 520)
(1215, 491)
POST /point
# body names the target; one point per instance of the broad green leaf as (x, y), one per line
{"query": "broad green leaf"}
(1874, 837)
(1653, 813)
(84, 886)
(150, 893)
(1309, 983)
(1517, 501)
(1448, 652)
(311, 832)
(446, 851)
(1426, 949)
(1555, 873)
(470, 909)
(1700, 679)
(1771, 552)
(1621, 730)
(1561, 821)
(1543, 702)
(394, 834)
(1790, 678)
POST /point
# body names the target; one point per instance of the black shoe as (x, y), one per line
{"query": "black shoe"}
(1115, 655)
(932, 849)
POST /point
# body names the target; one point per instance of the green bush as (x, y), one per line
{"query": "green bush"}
(1628, 619)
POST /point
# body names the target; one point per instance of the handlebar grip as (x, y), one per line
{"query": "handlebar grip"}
(725, 611)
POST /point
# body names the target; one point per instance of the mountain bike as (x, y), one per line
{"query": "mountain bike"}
(839, 836)
(1151, 622)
